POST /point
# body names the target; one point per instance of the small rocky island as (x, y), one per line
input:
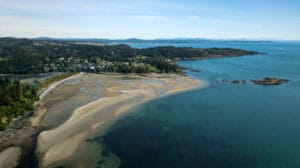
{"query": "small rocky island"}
(238, 82)
(235, 81)
(194, 70)
(267, 81)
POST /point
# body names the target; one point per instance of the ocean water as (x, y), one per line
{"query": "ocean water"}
(223, 124)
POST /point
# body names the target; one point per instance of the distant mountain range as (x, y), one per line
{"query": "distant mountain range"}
(136, 40)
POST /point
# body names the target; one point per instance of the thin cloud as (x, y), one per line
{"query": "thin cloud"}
(193, 18)
(213, 20)
(18, 20)
(208, 20)
(119, 18)
(149, 18)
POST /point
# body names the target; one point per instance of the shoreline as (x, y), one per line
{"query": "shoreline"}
(55, 84)
(124, 92)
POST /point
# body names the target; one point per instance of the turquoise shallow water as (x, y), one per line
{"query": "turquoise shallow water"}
(222, 125)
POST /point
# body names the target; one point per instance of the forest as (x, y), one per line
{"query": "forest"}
(15, 99)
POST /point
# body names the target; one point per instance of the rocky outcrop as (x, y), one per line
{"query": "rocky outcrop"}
(21, 135)
(267, 81)
(238, 82)
(235, 81)
(194, 70)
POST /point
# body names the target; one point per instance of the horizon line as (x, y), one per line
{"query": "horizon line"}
(159, 38)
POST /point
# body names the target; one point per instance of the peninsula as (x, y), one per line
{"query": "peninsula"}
(23, 56)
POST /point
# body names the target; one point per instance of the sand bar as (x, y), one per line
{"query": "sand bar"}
(9, 157)
(119, 94)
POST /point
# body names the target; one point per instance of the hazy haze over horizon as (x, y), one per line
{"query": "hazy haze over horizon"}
(120, 19)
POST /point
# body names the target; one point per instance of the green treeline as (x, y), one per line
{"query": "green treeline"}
(15, 99)
(34, 56)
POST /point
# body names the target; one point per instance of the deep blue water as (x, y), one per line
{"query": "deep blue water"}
(222, 125)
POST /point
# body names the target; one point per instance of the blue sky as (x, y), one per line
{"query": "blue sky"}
(215, 19)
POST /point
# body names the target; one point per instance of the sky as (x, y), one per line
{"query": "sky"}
(151, 19)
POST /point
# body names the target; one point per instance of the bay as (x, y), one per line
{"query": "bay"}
(223, 124)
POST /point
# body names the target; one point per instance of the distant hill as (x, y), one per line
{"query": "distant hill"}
(136, 40)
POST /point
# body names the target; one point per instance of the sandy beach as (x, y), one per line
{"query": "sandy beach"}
(9, 157)
(106, 98)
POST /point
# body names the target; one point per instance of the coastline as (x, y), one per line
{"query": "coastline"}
(104, 98)
(55, 84)
(123, 93)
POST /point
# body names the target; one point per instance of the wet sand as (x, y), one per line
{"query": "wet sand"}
(9, 157)
(91, 103)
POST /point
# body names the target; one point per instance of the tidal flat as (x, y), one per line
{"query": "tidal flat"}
(88, 104)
